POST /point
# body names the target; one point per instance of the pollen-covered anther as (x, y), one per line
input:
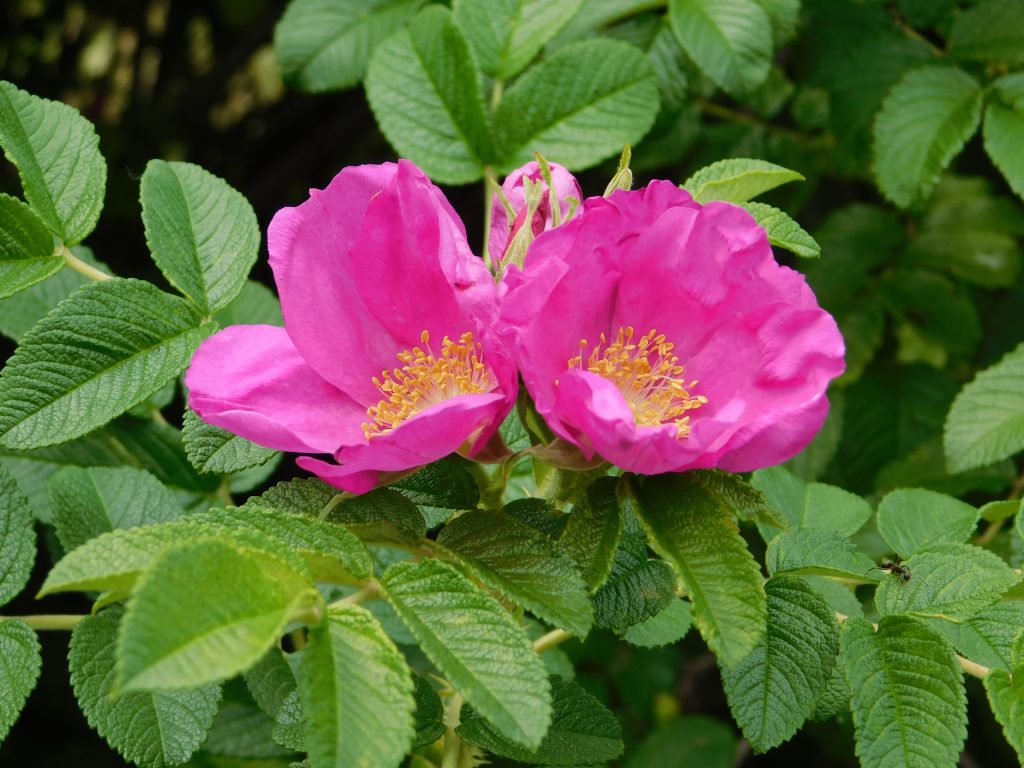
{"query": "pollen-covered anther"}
(425, 379)
(647, 373)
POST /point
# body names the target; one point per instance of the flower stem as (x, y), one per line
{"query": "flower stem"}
(80, 266)
(550, 640)
(370, 592)
(488, 215)
(56, 621)
(452, 742)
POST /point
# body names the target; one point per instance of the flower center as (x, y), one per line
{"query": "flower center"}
(426, 379)
(648, 375)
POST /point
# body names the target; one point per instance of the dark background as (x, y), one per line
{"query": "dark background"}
(198, 82)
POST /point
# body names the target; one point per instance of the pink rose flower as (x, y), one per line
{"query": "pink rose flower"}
(503, 230)
(663, 336)
(387, 360)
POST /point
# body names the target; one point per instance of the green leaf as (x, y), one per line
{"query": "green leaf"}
(696, 532)
(1003, 130)
(985, 258)
(582, 731)
(475, 644)
(664, 628)
(202, 233)
(986, 422)
(105, 348)
(686, 742)
(594, 530)
(20, 663)
(20, 312)
(953, 583)
(987, 637)
(323, 45)
(524, 565)
(441, 486)
(730, 40)
(204, 611)
(356, 690)
(90, 501)
(913, 519)
(922, 125)
(329, 550)
(809, 505)
(212, 449)
(241, 730)
(382, 515)
(57, 154)
(255, 305)
(578, 106)
(737, 180)
(1006, 697)
(273, 686)
(306, 496)
(149, 729)
(424, 87)
(17, 538)
(990, 31)
(782, 231)
(639, 591)
(814, 551)
(26, 248)
(428, 718)
(506, 35)
(774, 689)
(908, 701)
(539, 514)
(746, 502)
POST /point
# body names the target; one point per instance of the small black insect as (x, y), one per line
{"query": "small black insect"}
(893, 566)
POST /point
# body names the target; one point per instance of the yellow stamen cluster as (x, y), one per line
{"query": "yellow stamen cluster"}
(648, 375)
(426, 379)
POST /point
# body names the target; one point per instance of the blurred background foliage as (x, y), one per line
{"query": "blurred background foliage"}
(926, 296)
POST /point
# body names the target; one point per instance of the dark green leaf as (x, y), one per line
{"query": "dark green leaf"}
(923, 124)
(151, 729)
(424, 87)
(908, 700)
(593, 531)
(475, 644)
(578, 106)
(17, 538)
(687, 742)
(57, 154)
(20, 663)
(696, 532)
(524, 565)
(730, 40)
(667, 627)
(104, 349)
(428, 718)
(912, 520)
(774, 689)
(990, 31)
(323, 45)
(212, 449)
(26, 248)
(202, 233)
(87, 502)
(582, 731)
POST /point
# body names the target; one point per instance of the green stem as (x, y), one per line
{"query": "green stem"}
(80, 266)
(56, 621)
(224, 492)
(496, 92)
(550, 640)
(370, 592)
(452, 743)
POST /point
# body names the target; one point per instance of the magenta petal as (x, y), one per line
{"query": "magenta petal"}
(430, 435)
(250, 380)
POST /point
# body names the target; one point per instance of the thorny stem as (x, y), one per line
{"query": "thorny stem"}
(550, 640)
(57, 621)
(80, 266)
(968, 666)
